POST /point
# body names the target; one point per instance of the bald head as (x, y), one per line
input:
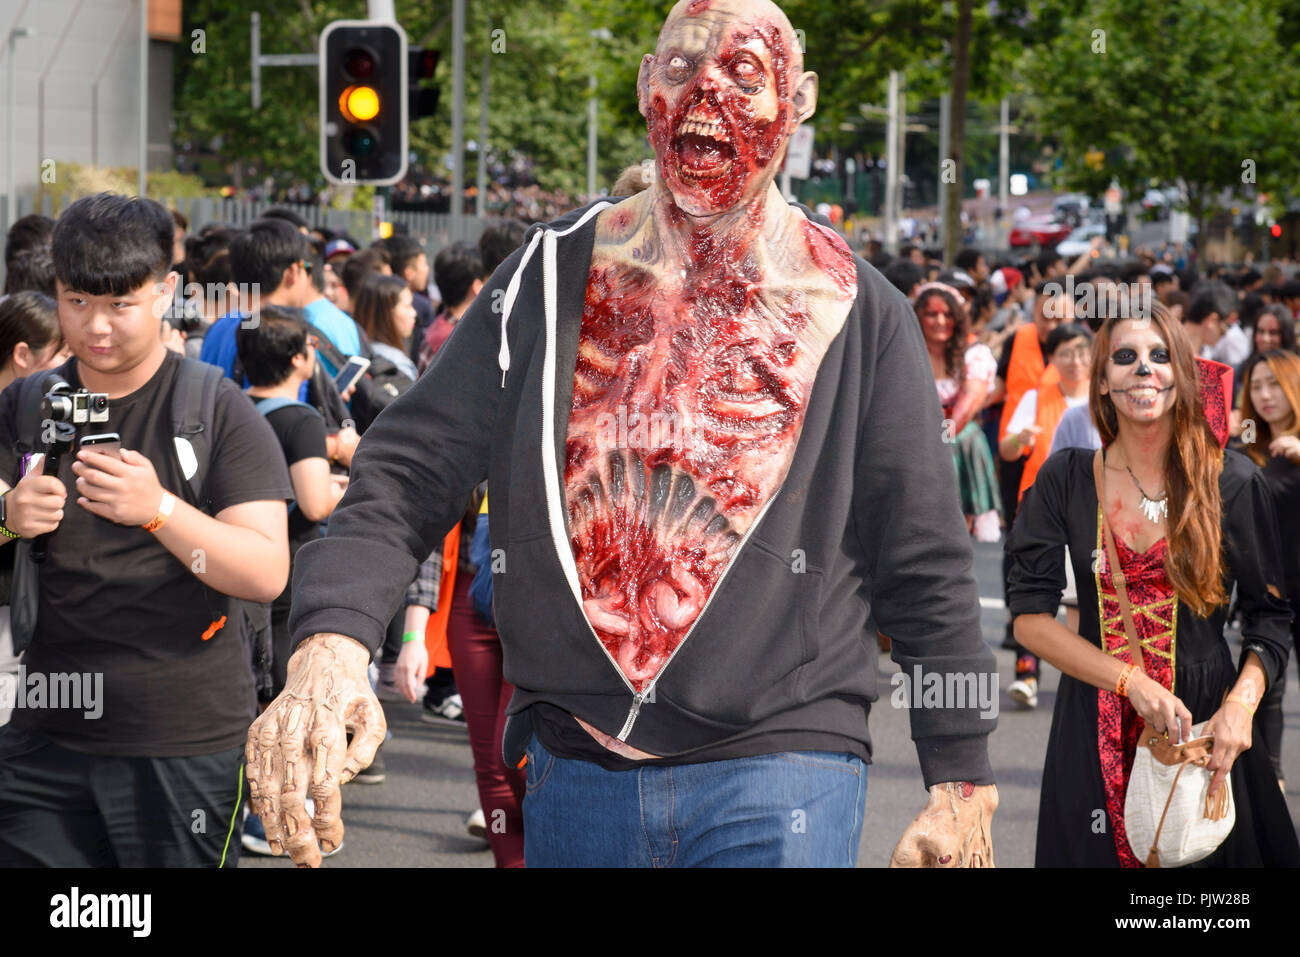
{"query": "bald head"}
(710, 15)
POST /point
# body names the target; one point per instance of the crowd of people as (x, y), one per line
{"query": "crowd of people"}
(280, 311)
(510, 194)
(322, 332)
(1038, 364)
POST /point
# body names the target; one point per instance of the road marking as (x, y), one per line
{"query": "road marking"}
(992, 602)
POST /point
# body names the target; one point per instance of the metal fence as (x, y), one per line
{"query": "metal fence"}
(435, 229)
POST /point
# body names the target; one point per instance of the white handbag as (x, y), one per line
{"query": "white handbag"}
(1168, 813)
(1169, 816)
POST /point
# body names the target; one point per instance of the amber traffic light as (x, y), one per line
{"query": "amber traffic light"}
(363, 102)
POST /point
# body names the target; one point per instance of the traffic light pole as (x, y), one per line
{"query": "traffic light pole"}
(457, 116)
(259, 59)
(480, 200)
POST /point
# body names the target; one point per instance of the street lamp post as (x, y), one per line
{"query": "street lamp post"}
(11, 190)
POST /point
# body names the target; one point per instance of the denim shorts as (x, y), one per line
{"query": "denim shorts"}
(791, 809)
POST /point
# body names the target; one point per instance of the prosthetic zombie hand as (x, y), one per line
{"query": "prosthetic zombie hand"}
(299, 745)
(953, 830)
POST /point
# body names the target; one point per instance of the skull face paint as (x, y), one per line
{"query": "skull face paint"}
(719, 110)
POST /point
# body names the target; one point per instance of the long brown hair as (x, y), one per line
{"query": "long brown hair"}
(954, 350)
(1193, 463)
(374, 307)
(1285, 366)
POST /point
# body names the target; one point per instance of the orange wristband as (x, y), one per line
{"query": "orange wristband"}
(1121, 686)
(164, 512)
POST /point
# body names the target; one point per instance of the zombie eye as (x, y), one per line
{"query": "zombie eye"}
(1124, 357)
(748, 76)
(678, 68)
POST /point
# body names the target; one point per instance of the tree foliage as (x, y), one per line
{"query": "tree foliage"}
(1190, 90)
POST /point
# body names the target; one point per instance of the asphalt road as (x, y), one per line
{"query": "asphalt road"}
(416, 818)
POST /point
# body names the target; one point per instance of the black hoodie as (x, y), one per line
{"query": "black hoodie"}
(866, 533)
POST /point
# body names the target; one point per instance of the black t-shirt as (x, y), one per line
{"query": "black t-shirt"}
(115, 602)
(1283, 477)
(301, 433)
(424, 316)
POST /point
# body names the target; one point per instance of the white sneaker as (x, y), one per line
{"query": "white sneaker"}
(476, 824)
(1024, 692)
(988, 527)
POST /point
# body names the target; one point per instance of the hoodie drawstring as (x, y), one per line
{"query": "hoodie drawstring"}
(512, 289)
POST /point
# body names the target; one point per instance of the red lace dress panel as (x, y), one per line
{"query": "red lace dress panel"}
(1155, 615)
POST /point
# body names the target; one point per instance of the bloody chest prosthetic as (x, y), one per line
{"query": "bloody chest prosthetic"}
(689, 397)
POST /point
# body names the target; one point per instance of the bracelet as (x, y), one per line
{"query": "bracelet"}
(164, 512)
(410, 636)
(6, 532)
(1121, 686)
(1243, 702)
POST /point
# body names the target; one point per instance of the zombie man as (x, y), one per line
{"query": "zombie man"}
(716, 465)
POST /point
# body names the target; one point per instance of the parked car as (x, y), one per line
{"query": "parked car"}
(1080, 240)
(1044, 231)
(1071, 208)
(1157, 203)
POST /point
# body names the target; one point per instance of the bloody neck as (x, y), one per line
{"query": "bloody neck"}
(741, 236)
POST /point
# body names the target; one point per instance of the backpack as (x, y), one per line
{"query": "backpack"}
(194, 400)
(376, 390)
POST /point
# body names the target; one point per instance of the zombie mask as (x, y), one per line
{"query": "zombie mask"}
(721, 96)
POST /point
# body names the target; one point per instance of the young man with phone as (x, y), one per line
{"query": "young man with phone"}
(138, 584)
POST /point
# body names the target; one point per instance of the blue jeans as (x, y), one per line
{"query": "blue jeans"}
(793, 809)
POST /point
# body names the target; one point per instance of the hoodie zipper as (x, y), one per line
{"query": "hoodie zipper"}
(559, 534)
(550, 473)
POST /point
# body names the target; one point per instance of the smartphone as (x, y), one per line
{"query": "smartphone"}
(351, 373)
(110, 443)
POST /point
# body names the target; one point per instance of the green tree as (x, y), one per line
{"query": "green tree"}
(1192, 91)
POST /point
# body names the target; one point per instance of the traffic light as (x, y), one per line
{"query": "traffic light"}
(1275, 230)
(423, 96)
(363, 102)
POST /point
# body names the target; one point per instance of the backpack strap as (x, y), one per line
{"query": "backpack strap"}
(194, 402)
(276, 403)
(333, 355)
(31, 394)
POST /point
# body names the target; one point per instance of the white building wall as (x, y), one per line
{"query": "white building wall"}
(78, 45)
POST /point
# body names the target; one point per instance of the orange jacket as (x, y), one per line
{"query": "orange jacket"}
(1023, 372)
(435, 630)
(1048, 410)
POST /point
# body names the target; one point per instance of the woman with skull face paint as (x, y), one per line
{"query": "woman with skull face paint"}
(1188, 521)
(1270, 398)
(963, 376)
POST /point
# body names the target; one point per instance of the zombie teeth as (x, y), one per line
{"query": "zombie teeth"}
(698, 174)
(712, 129)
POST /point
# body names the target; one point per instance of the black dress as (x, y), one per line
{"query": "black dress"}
(1090, 749)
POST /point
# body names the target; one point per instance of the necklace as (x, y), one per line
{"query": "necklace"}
(1154, 509)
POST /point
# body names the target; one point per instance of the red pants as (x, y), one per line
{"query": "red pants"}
(476, 659)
